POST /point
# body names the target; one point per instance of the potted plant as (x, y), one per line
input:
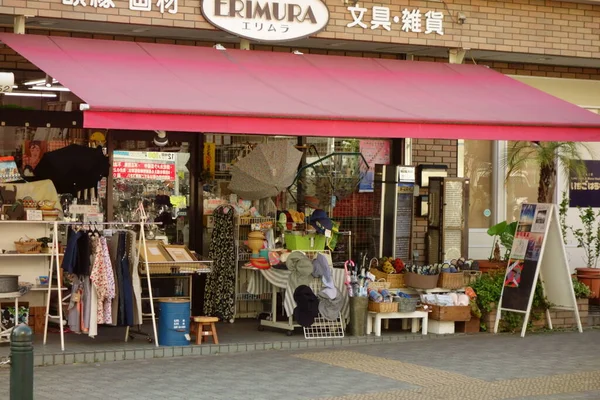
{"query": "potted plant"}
(488, 289)
(588, 239)
(503, 234)
(44, 241)
(581, 291)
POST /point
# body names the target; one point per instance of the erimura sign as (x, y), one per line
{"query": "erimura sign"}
(267, 20)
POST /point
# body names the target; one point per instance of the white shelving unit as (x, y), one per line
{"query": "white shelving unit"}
(27, 266)
(25, 255)
(246, 305)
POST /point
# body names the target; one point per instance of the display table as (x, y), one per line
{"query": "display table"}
(374, 320)
(5, 332)
(273, 280)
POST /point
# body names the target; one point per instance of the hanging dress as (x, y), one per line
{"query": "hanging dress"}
(219, 296)
(103, 280)
(125, 285)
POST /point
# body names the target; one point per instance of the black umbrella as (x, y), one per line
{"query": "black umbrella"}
(73, 168)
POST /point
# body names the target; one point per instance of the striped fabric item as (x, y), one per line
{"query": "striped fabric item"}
(257, 283)
(261, 280)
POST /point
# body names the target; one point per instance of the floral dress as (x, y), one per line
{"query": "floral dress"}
(219, 297)
(103, 280)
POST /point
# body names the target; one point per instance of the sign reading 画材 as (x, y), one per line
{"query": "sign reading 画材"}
(163, 6)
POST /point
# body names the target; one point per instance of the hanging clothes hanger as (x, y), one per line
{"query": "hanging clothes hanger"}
(96, 232)
(89, 231)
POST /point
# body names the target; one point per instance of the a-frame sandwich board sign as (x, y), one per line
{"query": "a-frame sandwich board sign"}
(538, 252)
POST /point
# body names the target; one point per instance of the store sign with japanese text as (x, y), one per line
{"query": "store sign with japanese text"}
(267, 20)
(410, 21)
(150, 165)
(163, 6)
(258, 20)
(584, 191)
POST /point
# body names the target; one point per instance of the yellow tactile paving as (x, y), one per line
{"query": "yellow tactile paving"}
(443, 385)
(400, 371)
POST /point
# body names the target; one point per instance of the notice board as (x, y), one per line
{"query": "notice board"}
(538, 252)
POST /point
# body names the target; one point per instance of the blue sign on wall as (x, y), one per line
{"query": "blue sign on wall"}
(585, 191)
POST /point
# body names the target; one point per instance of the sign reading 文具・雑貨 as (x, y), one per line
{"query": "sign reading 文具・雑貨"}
(410, 20)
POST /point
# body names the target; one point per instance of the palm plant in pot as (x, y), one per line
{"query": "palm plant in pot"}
(549, 157)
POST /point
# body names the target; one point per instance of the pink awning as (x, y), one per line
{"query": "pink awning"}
(131, 85)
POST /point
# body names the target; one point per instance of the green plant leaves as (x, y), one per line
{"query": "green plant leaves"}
(497, 229)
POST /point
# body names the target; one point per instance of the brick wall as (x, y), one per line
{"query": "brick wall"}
(550, 71)
(9, 59)
(523, 26)
(560, 318)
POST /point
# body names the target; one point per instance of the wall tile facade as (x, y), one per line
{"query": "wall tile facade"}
(523, 26)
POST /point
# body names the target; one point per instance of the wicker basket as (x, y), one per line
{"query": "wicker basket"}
(470, 277)
(379, 284)
(383, 307)
(396, 280)
(27, 245)
(449, 280)
(406, 304)
(421, 281)
(450, 313)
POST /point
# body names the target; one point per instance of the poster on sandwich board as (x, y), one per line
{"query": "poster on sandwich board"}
(538, 252)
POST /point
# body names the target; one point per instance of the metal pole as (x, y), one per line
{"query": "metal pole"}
(21, 363)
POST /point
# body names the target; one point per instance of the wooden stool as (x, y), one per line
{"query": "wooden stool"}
(198, 325)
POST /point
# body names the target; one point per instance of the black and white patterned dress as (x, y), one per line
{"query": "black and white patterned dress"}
(219, 296)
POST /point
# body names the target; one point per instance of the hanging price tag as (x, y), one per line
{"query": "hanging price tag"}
(327, 233)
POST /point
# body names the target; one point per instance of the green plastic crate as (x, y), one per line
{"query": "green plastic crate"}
(305, 242)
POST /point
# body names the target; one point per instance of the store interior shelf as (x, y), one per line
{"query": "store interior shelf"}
(177, 267)
(244, 257)
(247, 221)
(28, 255)
(45, 288)
(249, 297)
(10, 221)
(166, 298)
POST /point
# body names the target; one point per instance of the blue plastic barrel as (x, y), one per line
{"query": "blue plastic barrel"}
(173, 322)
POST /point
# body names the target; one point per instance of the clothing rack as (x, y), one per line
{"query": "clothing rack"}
(55, 261)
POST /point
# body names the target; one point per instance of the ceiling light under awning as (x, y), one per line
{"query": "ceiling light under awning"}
(51, 88)
(38, 82)
(30, 94)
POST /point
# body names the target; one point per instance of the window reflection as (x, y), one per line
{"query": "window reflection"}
(521, 186)
(478, 168)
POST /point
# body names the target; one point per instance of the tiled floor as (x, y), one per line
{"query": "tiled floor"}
(551, 366)
(241, 336)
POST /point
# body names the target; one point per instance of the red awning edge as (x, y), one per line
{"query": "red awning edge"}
(328, 128)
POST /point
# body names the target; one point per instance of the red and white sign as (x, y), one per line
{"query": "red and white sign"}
(144, 170)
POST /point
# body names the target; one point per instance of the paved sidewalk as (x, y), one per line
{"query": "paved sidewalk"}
(548, 366)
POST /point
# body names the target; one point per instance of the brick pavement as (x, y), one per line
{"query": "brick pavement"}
(551, 366)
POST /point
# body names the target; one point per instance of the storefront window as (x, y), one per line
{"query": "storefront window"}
(521, 187)
(478, 168)
(160, 178)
